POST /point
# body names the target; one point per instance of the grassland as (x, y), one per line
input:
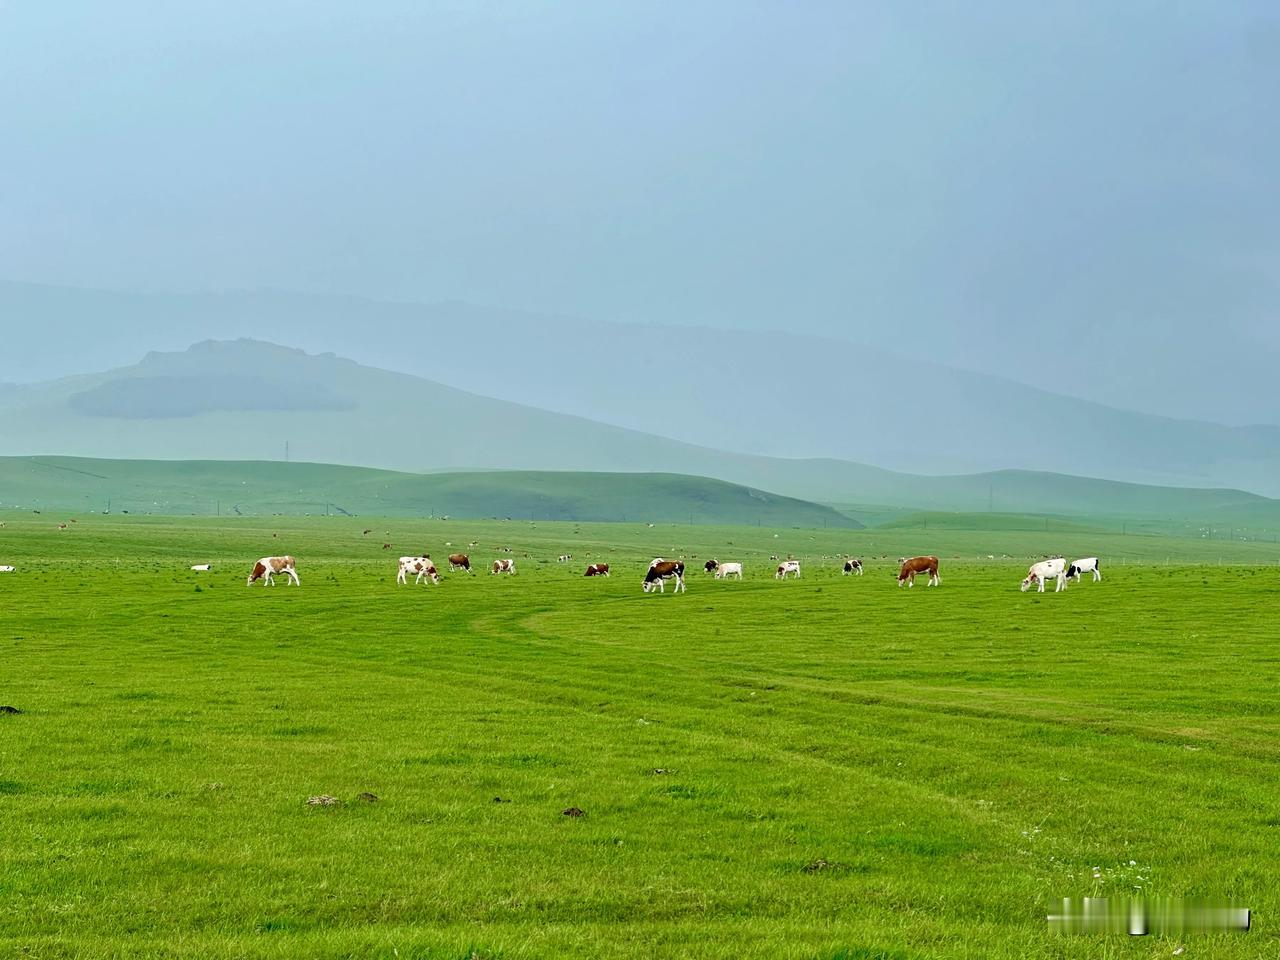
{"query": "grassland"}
(828, 768)
(213, 487)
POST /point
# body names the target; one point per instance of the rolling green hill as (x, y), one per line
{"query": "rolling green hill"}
(207, 487)
(247, 400)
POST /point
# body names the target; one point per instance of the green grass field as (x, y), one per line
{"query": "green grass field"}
(825, 768)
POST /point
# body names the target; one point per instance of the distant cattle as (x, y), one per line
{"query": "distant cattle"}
(786, 567)
(6, 569)
(910, 567)
(710, 566)
(661, 571)
(459, 561)
(1087, 565)
(201, 566)
(1042, 571)
(597, 570)
(268, 567)
(507, 565)
(853, 567)
(564, 558)
(421, 568)
(726, 570)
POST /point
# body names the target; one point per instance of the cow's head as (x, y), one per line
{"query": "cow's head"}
(1030, 579)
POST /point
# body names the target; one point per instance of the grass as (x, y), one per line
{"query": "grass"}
(235, 488)
(828, 768)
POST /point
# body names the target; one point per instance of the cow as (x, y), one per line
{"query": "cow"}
(910, 567)
(267, 567)
(564, 558)
(853, 567)
(6, 569)
(507, 565)
(459, 561)
(420, 567)
(597, 570)
(1087, 565)
(1042, 571)
(726, 570)
(785, 567)
(661, 571)
(202, 566)
(710, 566)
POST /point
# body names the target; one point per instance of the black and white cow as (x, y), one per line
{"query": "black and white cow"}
(1087, 565)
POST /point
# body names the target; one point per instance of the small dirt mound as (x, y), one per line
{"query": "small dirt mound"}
(367, 797)
(573, 812)
(5, 708)
(324, 800)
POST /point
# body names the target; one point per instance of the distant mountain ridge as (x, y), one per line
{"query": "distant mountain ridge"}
(779, 395)
(393, 421)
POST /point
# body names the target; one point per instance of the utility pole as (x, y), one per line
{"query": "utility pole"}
(286, 451)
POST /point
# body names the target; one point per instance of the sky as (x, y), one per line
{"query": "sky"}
(1081, 196)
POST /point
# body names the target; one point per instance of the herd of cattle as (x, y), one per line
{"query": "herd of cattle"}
(660, 570)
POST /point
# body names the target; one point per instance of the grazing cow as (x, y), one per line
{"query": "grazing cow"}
(710, 566)
(662, 570)
(1042, 571)
(267, 567)
(853, 566)
(420, 567)
(726, 570)
(564, 558)
(907, 574)
(507, 565)
(459, 561)
(597, 570)
(202, 566)
(6, 569)
(1087, 565)
(785, 567)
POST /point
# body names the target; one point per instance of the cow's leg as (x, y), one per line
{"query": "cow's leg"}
(1097, 574)
(293, 574)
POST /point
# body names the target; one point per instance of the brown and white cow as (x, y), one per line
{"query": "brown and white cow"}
(597, 570)
(459, 561)
(506, 565)
(785, 567)
(914, 565)
(421, 567)
(661, 571)
(853, 567)
(268, 567)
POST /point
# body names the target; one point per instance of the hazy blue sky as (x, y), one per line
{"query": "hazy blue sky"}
(958, 178)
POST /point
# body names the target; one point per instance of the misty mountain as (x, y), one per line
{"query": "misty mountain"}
(332, 410)
(776, 395)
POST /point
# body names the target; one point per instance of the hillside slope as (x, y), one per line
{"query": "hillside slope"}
(775, 394)
(72, 484)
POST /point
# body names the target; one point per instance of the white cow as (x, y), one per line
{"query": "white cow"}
(1042, 571)
(1087, 565)
(6, 569)
(202, 566)
(726, 570)
(505, 565)
(788, 566)
(420, 566)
